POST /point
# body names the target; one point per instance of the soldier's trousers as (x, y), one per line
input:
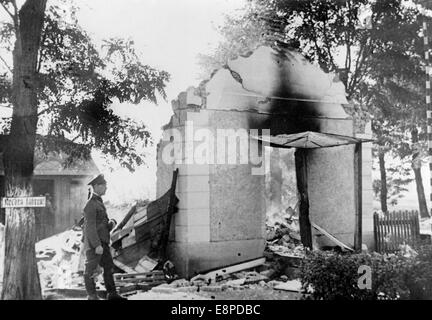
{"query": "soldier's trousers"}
(106, 262)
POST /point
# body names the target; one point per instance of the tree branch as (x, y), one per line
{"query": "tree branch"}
(315, 37)
(7, 11)
(74, 139)
(7, 66)
(359, 63)
(348, 40)
(327, 44)
(13, 16)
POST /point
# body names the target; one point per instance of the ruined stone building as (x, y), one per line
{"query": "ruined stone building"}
(222, 207)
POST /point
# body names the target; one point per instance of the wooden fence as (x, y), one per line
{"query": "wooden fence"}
(396, 228)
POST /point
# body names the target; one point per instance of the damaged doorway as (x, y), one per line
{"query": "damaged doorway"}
(303, 142)
(282, 202)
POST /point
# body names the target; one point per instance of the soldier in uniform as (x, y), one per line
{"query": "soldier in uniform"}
(97, 229)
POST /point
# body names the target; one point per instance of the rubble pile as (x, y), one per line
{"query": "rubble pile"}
(58, 259)
(242, 280)
(283, 234)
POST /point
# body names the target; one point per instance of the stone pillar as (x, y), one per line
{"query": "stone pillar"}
(367, 196)
(221, 217)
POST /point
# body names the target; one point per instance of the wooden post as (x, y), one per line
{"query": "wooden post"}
(171, 205)
(358, 196)
(302, 187)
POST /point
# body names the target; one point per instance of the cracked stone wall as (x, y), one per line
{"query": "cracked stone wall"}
(221, 218)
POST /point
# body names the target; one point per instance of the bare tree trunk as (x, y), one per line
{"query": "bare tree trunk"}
(383, 193)
(21, 278)
(416, 166)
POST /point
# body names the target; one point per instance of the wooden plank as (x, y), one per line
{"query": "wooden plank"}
(158, 277)
(398, 227)
(380, 232)
(143, 280)
(332, 237)
(380, 236)
(125, 220)
(417, 225)
(123, 267)
(406, 226)
(389, 232)
(302, 187)
(410, 227)
(212, 275)
(375, 230)
(140, 274)
(358, 196)
(171, 207)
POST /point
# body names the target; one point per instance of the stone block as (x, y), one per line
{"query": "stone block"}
(193, 200)
(193, 217)
(193, 183)
(199, 119)
(181, 217)
(199, 217)
(181, 233)
(198, 233)
(192, 98)
(193, 169)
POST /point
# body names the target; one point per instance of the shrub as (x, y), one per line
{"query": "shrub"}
(334, 276)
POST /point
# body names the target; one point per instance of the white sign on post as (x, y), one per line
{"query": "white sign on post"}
(24, 202)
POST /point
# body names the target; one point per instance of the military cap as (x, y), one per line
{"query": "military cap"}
(99, 179)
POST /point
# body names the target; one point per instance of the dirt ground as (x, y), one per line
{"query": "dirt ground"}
(229, 294)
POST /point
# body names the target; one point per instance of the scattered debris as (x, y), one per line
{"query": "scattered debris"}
(288, 251)
(292, 285)
(213, 275)
(283, 233)
(145, 264)
(407, 251)
(58, 260)
(127, 282)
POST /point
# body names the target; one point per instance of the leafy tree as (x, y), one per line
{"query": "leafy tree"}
(397, 180)
(60, 84)
(374, 47)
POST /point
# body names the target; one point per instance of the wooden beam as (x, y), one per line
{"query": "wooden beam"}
(332, 237)
(171, 207)
(358, 196)
(125, 220)
(212, 276)
(302, 187)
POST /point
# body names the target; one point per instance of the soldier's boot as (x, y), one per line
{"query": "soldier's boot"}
(115, 296)
(110, 285)
(90, 287)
